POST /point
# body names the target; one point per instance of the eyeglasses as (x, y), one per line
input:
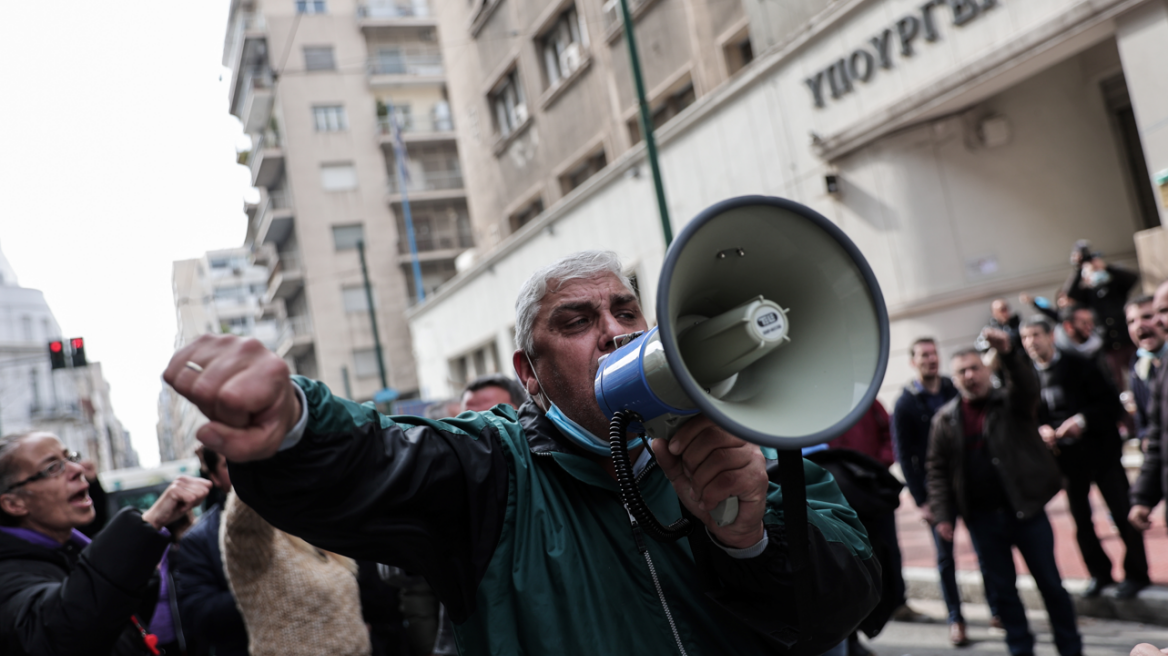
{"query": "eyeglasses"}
(55, 469)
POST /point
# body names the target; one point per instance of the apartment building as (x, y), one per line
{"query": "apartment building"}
(219, 293)
(320, 85)
(543, 95)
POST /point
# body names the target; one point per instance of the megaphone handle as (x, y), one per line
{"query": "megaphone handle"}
(725, 512)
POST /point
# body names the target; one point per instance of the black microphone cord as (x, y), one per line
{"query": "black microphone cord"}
(630, 494)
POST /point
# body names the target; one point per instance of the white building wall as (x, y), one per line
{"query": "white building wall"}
(946, 223)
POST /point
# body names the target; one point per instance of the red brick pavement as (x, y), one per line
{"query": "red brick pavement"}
(916, 540)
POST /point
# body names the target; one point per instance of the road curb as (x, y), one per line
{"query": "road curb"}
(1149, 607)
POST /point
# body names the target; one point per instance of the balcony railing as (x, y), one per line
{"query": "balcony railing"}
(45, 411)
(296, 327)
(428, 181)
(416, 124)
(384, 10)
(408, 61)
(430, 240)
(280, 199)
(287, 263)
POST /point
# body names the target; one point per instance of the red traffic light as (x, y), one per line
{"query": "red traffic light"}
(77, 343)
(56, 347)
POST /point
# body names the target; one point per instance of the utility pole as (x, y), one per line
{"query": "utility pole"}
(646, 122)
(372, 315)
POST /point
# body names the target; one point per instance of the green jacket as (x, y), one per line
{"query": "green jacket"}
(528, 545)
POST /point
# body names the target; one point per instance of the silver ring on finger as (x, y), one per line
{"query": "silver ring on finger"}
(194, 366)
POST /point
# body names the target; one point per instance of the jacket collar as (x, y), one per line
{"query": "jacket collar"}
(542, 435)
(78, 539)
(917, 390)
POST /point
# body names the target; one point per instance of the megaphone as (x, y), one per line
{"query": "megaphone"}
(770, 322)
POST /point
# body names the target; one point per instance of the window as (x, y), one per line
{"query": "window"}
(479, 362)
(586, 169)
(26, 328)
(738, 52)
(330, 118)
(338, 177)
(563, 47)
(665, 109)
(310, 6)
(526, 214)
(509, 103)
(355, 299)
(365, 363)
(319, 58)
(346, 237)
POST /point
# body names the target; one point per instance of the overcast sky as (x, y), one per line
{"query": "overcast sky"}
(117, 157)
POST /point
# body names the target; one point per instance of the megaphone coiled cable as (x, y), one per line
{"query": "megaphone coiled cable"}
(630, 494)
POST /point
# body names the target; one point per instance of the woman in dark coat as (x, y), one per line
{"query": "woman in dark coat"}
(60, 593)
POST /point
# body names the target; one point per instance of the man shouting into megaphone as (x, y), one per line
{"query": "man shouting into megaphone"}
(514, 517)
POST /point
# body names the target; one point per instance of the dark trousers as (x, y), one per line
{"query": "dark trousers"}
(947, 569)
(883, 529)
(994, 533)
(1082, 466)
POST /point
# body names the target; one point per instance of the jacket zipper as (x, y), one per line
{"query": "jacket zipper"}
(640, 539)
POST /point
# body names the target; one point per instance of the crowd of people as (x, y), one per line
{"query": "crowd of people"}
(337, 530)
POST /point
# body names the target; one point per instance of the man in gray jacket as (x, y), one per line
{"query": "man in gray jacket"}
(987, 463)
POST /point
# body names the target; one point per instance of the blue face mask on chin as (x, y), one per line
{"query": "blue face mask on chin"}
(578, 435)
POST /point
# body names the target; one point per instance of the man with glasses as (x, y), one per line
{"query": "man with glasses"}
(60, 593)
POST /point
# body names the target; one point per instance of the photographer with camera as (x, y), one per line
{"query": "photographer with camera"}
(1104, 288)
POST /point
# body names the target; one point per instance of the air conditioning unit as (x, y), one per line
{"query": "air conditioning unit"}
(570, 58)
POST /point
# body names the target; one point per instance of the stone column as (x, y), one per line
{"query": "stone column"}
(1142, 37)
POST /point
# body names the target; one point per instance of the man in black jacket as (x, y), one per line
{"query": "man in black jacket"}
(1149, 336)
(1077, 419)
(1152, 482)
(987, 463)
(61, 594)
(915, 408)
(205, 603)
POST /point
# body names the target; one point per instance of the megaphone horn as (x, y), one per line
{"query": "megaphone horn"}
(771, 323)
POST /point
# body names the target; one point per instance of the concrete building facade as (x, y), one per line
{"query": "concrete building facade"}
(219, 293)
(319, 85)
(964, 145)
(72, 403)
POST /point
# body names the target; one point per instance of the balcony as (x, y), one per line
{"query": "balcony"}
(286, 278)
(382, 13)
(406, 66)
(245, 41)
(295, 338)
(55, 411)
(428, 185)
(276, 218)
(266, 159)
(436, 238)
(436, 126)
(255, 106)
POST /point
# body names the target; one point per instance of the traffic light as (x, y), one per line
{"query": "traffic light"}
(57, 354)
(78, 345)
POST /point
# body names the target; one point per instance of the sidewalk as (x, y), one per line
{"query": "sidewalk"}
(920, 571)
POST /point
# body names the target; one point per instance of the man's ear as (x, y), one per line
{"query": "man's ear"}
(12, 504)
(526, 373)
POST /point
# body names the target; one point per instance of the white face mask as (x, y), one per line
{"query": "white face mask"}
(579, 435)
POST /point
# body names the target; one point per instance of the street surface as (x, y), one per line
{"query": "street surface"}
(911, 639)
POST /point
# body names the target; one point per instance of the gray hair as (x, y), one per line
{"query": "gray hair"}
(585, 264)
(9, 468)
(8, 465)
